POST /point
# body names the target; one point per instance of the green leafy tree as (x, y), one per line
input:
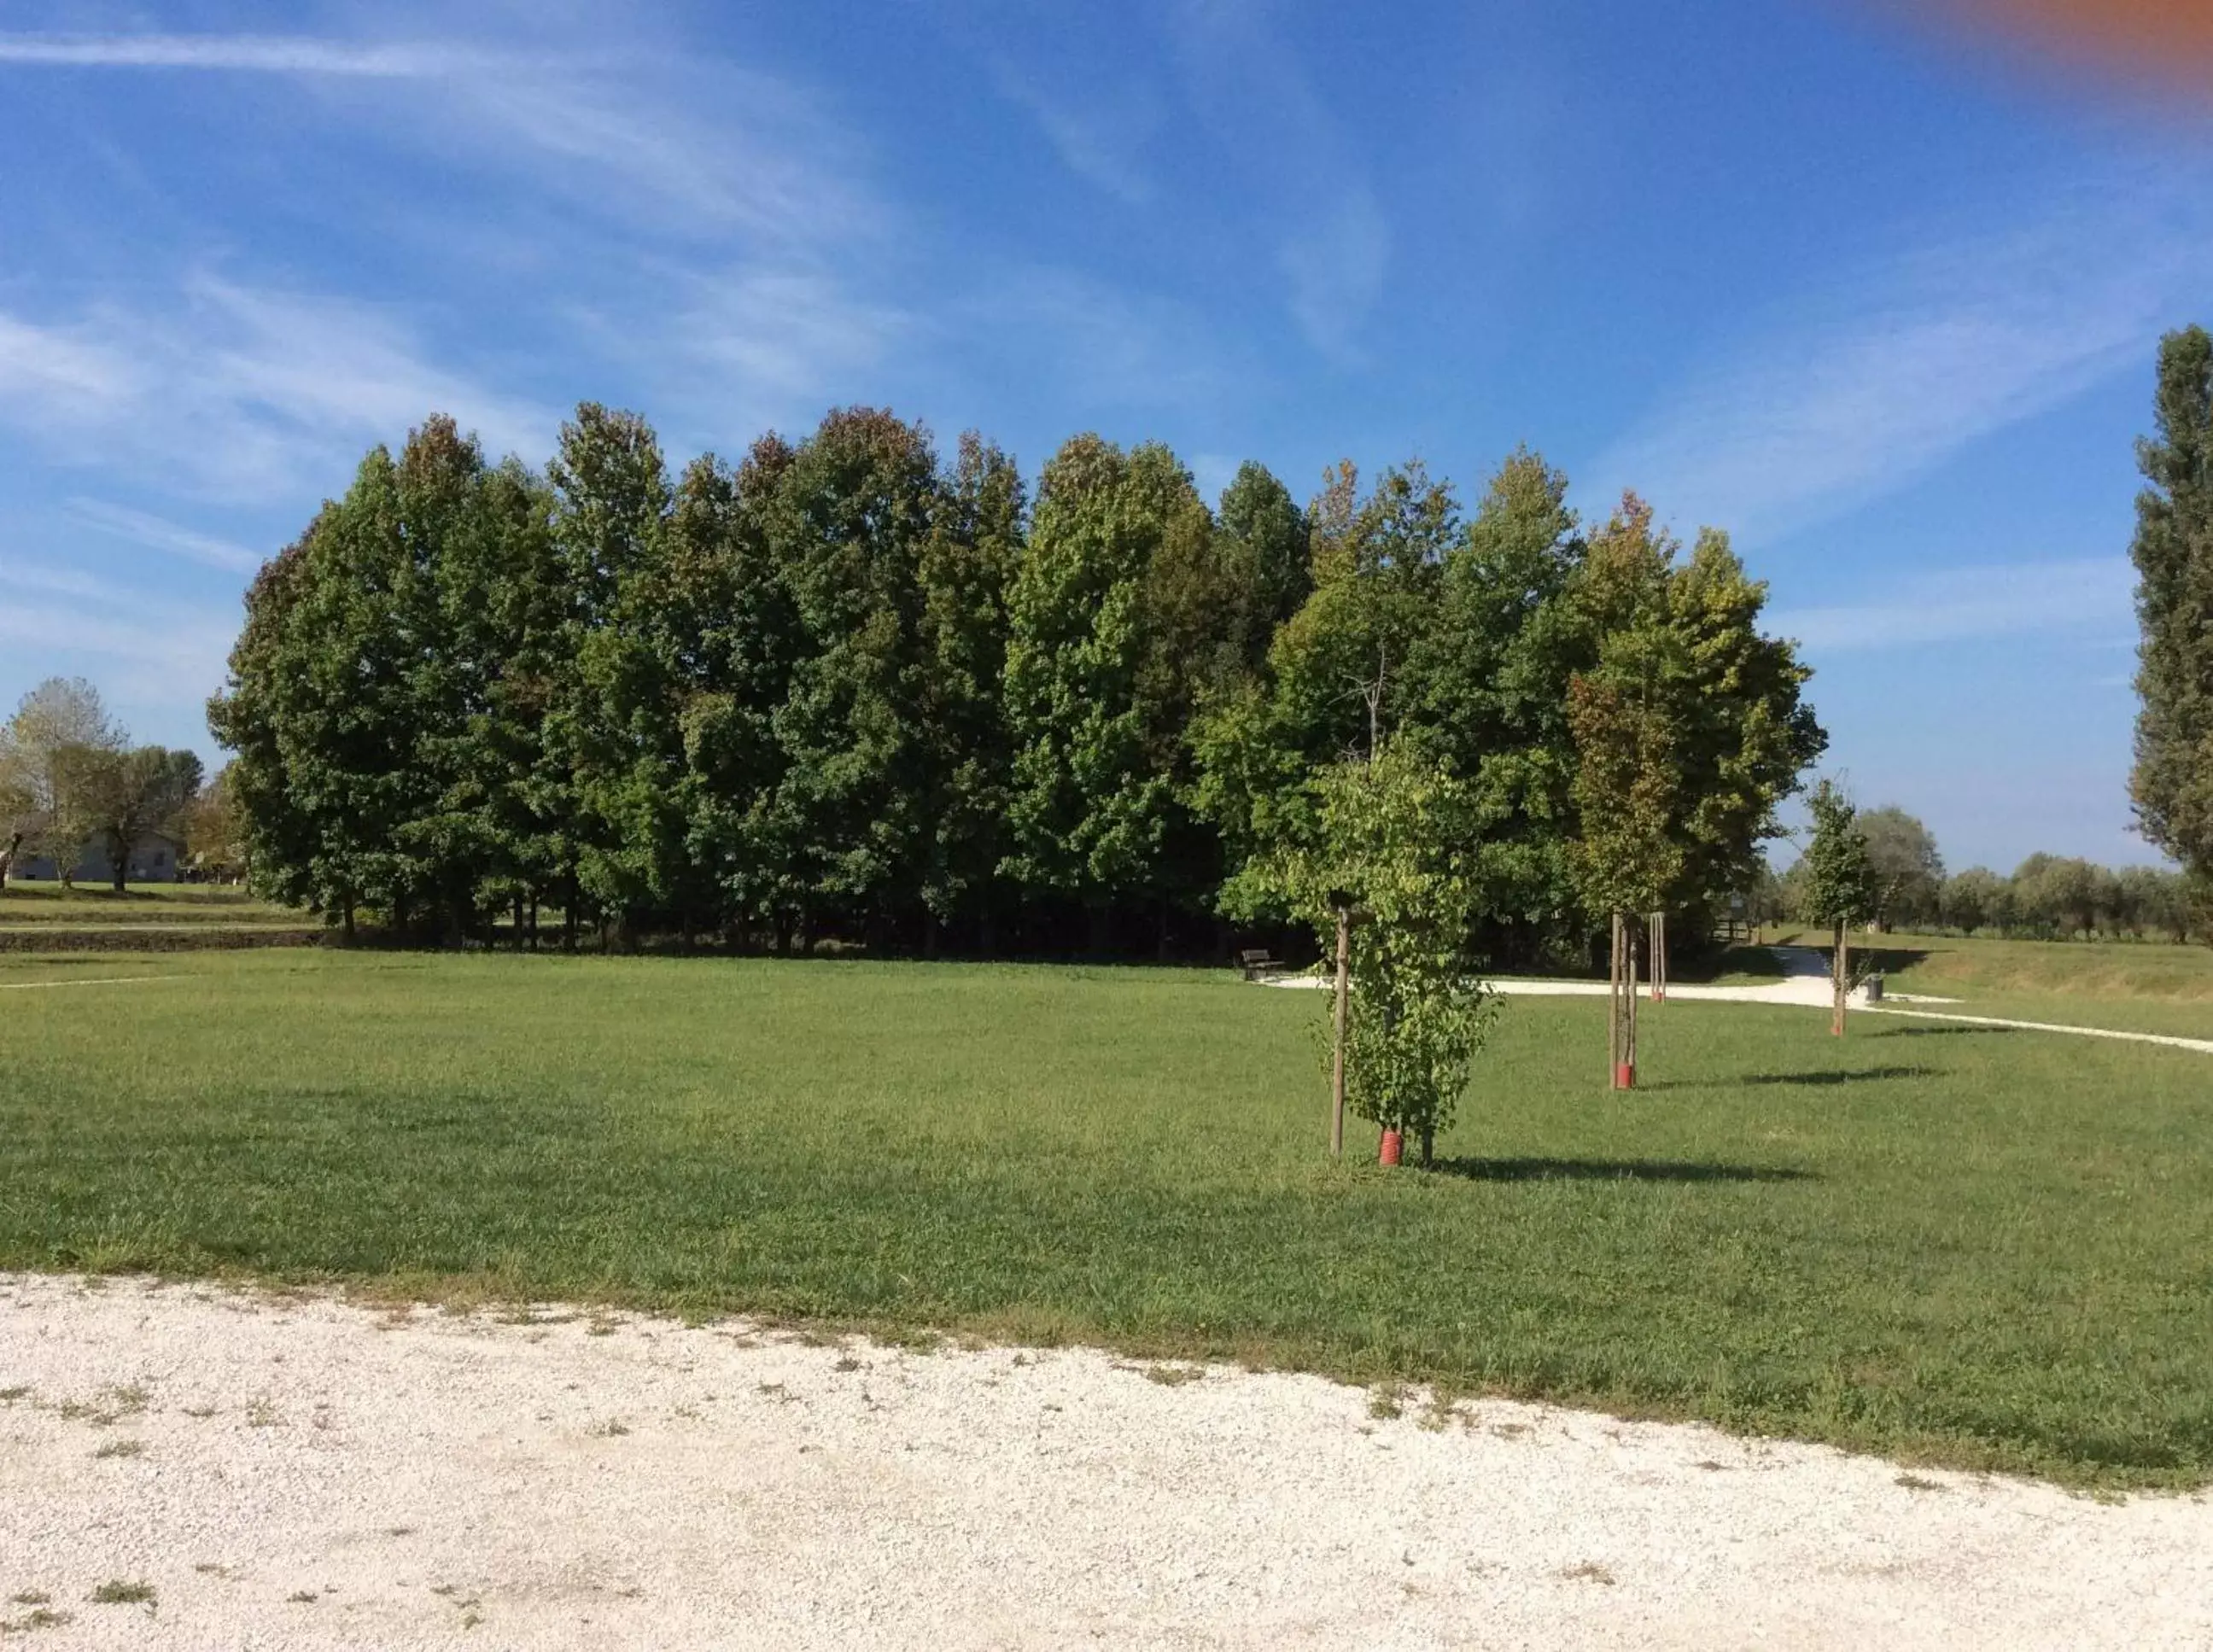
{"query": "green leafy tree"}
(966, 572)
(1342, 673)
(318, 707)
(1493, 670)
(1625, 715)
(1097, 697)
(1268, 551)
(2172, 781)
(1908, 872)
(1744, 732)
(1841, 886)
(609, 732)
(53, 727)
(122, 798)
(851, 515)
(215, 831)
(1394, 837)
(1976, 898)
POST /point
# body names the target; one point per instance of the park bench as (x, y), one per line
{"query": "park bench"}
(1256, 962)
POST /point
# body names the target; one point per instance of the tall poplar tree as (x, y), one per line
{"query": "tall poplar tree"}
(966, 572)
(1095, 704)
(850, 519)
(2172, 784)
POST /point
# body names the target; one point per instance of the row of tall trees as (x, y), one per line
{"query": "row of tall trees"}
(849, 686)
(70, 776)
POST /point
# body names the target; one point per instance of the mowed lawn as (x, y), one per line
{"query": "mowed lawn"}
(156, 906)
(1979, 1247)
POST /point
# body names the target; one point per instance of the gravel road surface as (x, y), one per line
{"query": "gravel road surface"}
(302, 1472)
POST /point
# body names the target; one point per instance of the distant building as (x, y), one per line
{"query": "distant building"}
(154, 861)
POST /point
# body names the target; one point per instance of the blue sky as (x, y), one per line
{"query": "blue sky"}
(1881, 301)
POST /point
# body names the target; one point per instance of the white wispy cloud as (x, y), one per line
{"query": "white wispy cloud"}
(707, 146)
(1857, 391)
(1099, 134)
(150, 656)
(240, 53)
(156, 533)
(1335, 263)
(246, 394)
(1108, 347)
(61, 367)
(2085, 595)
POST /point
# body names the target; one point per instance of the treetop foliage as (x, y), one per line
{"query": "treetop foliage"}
(855, 685)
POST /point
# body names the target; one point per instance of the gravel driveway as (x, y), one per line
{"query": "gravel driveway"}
(301, 1473)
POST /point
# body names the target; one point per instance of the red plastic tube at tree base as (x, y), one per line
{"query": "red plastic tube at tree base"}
(1393, 1148)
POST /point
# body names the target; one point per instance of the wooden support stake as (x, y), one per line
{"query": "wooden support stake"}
(1343, 1009)
(1839, 974)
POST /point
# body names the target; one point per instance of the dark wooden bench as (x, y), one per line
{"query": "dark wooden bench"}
(1256, 962)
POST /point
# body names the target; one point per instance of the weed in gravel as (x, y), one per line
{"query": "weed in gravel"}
(846, 1363)
(613, 1429)
(9, 1395)
(122, 1592)
(1589, 1571)
(122, 1449)
(262, 1413)
(1920, 1482)
(113, 1405)
(30, 1598)
(37, 1618)
(1386, 1401)
(303, 1597)
(1174, 1376)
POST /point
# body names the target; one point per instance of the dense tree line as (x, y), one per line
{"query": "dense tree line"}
(849, 687)
(2046, 897)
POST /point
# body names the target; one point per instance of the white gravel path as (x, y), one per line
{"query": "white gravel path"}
(301, 1473)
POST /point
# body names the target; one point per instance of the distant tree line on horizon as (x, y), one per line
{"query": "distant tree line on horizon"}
(2045, 897)
(845, 688)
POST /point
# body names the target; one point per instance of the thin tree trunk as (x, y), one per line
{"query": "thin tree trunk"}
(1343, 1013)
(348, 921)
(928, 932)
(534, 917)
(1629, 1006)
(1160, 947)
(569, 911)
(1614, 1031)
(8, 860)
(1838, 976)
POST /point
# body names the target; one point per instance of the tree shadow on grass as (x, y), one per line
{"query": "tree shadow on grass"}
(1843, 1076)
(1664, 1170)
(1943, 1032)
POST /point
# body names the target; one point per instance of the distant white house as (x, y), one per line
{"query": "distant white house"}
(154, 861)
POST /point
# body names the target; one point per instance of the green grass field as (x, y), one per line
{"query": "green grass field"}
(161, 906)
(1978, 1247)
(2136, 986)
